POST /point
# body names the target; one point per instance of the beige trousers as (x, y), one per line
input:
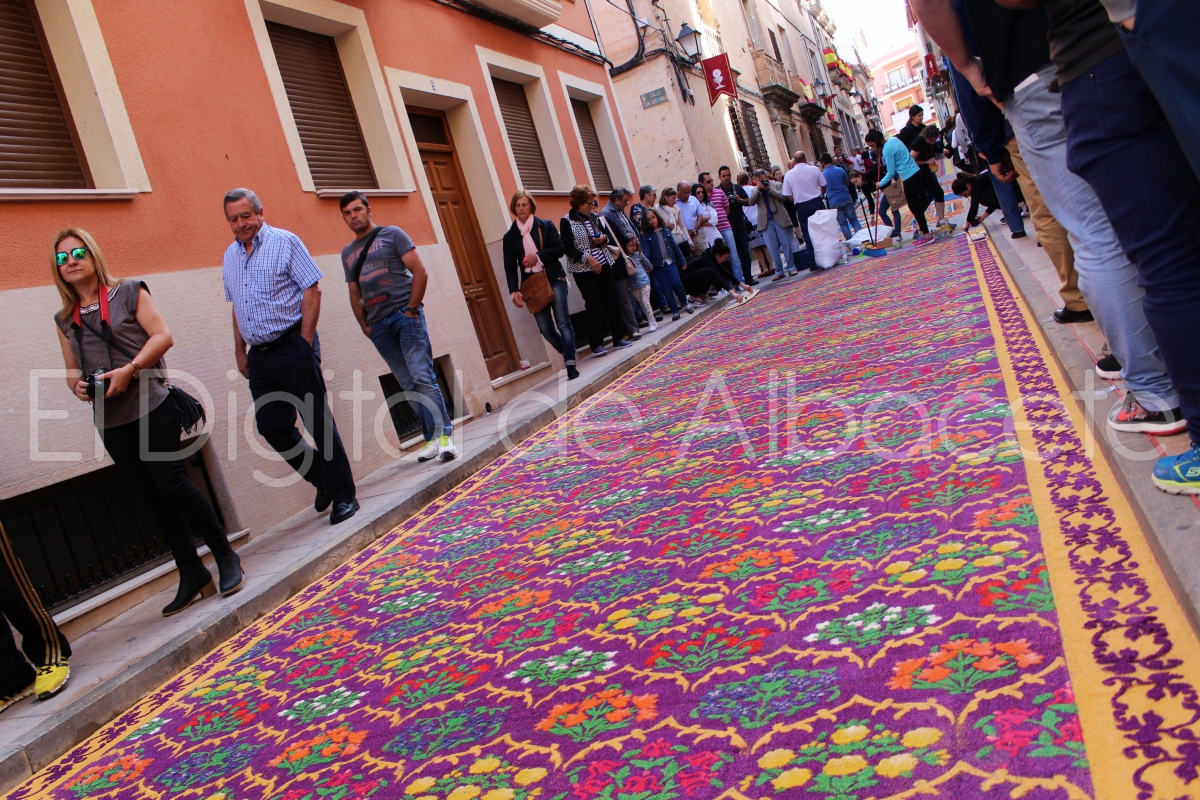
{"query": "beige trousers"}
(1050, 233)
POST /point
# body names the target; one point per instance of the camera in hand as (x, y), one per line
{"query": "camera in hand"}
(93, 381)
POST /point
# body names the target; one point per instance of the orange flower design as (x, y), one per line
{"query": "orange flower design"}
(1020, 652)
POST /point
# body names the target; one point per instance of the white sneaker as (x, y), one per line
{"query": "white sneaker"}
(429, 451)
(446, 449)
(652, 328)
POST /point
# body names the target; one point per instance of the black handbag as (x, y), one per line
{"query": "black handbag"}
(188, 410)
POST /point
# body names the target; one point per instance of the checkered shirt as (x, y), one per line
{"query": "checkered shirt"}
(267, 286)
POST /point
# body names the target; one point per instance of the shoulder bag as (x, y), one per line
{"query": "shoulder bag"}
(189, 411)
(894, 191)
(362, 255)
(536, 289)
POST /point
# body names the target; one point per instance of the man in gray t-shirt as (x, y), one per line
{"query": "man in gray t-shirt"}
(384, 283)
(386, 291)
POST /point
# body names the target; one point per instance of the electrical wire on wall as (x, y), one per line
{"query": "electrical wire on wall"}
(678, 62)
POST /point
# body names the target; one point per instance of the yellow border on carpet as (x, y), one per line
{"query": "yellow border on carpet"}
(1112, 771)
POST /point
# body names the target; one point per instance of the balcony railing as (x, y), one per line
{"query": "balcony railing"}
(903, 83)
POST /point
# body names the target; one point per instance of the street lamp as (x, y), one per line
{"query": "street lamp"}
(689, 40)
(819, 87)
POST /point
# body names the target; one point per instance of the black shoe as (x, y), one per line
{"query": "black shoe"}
(1109, 368)
(1064, 316)
(343, 512)
(658, 317)
(1019, 235)
(635, 336)
(572, 373)
(229, 568)
(195, 582)
(751, 282)
(675, 317)
(323, 500)
(816, 269)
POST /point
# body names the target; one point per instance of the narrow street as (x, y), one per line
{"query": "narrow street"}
(845, 541)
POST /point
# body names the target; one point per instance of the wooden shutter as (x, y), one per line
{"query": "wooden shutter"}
(601, 178)
(320, 101)
(522, 135)
(36, 146)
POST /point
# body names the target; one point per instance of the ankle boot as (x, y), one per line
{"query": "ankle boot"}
(229, 567)
(194, 582)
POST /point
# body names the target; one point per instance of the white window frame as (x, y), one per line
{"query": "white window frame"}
(110, 149)
(594, 95)
(541, 106)
(364, 80)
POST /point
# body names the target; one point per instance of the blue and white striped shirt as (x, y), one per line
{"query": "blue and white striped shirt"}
(267, 286)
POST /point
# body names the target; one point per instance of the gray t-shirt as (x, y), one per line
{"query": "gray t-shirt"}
(385, 282)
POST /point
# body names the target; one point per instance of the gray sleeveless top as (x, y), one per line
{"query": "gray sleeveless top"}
(127, 335)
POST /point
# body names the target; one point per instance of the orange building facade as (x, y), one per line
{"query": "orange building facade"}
(169, 105)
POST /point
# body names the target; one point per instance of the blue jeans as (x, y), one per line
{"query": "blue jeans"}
(1100, 136)
(554, 321)
(1158, 47)
(848, 219)
(883, 212)
(670, 292)
(1107, 277)
(779, 239)
(403, 342)
(1007, 196)
(803, 212)
(735, 263)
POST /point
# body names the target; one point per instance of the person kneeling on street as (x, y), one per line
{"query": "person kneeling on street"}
(707, 271)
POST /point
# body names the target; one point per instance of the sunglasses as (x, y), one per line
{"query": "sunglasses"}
(77, 253)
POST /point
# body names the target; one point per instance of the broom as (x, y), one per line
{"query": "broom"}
(874, 252)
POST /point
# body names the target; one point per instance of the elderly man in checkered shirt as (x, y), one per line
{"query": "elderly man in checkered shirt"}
(272, 282)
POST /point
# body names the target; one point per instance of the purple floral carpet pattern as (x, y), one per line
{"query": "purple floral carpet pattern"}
(793, 555)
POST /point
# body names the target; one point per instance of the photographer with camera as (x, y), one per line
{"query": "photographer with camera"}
(108, 329)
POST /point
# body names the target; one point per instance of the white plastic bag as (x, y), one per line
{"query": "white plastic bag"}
(826, 237)
(864, 235)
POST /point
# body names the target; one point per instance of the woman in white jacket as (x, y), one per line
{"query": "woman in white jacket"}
(706, 221)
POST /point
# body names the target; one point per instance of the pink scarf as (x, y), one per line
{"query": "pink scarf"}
(530, 248)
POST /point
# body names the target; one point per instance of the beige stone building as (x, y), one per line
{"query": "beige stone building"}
(792, 94)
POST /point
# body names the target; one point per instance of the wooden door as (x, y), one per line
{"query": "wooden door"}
(467, 248)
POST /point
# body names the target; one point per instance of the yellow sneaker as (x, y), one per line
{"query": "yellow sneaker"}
(51, 680)
(13, 696)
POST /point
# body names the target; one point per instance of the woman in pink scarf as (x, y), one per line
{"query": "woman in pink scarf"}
(530, 246)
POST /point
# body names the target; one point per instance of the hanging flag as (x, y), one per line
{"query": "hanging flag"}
(719, 77)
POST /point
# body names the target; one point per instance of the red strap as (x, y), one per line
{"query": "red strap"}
(103, 299)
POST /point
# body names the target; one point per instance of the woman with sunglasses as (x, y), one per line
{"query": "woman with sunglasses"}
(706, 220)
(113, 339)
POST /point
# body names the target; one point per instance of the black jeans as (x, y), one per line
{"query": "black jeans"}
(918, 200)
(933, 187)
(292, 373)
(601, 305)
(1151, 200)
(178, 506)
(21, 605)
(698, 281)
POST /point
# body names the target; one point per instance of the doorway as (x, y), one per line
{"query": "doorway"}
(467, 248)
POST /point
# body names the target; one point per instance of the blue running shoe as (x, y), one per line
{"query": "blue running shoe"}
(1179, 474)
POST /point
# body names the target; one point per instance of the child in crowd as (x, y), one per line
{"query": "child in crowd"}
(641, 278)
